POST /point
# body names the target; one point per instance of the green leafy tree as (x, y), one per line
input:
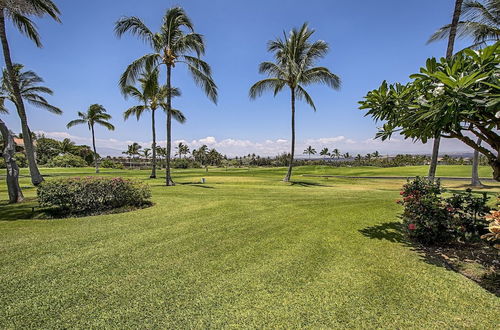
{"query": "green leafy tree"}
(18, 12)
(453, 98)
(96, 114)
(293, 67)
(66, 146)
(151, 96)
(173, 45)
(310, 151)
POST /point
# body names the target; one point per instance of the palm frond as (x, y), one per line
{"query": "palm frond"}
(321, 75)
(26, 27)
(302, 94)
(76, 122)
(204, 81)
(136, 27)
(137, 67)
(105, 124)
(137, 111)
(266, 84)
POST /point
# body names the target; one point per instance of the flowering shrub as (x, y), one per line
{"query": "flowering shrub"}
(92, 194)
(493, 228)
(430, 218)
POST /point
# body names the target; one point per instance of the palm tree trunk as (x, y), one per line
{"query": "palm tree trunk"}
(13, 188)
(153, 165)
(292, 152)
(475, 182)
(168, 178)
(96, 161)
(36, 177)
(449, 54)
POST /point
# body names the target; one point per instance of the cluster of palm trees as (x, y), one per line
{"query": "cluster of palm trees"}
(177, 44)
(336, 154)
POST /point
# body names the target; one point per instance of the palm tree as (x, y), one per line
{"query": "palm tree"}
(18, 11)
(161, 152)
(451, 34)
(96, 114)
(346, 155)
(172, 45)
(146, 152)
(182, 149)
(336, 153)
(150, 96)
(310, 151)
(295, 57)
(376, 154)
(324, 152)
(66, 146)
(481, 23)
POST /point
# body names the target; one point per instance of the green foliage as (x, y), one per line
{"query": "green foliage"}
(431, 219)
(109, 163)
(453, 98)
(92, 194)
(21, 159)
(185, 163)
(67, 160)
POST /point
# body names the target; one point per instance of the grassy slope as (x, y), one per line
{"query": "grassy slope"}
(243, 249)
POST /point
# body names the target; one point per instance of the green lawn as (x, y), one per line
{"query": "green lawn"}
(243, 250)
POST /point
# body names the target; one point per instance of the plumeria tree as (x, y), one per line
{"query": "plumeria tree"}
(451, 98)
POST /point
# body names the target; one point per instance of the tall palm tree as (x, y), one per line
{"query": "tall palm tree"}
(310, 151)
(172, 45)
(30, 89)
(324, 152)
(96, 114)
(146, 153)
(18, 11)
(481, 23)
(295, 56)
(161, 152)
(336, 153)
(451, 35)
(151, 96)
(346, 155)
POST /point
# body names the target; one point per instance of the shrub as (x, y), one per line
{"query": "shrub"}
(21, 159)
(185, 163)
(430, 218)
(109, 163)
(92, 195)
(67, 160)
(494, 228)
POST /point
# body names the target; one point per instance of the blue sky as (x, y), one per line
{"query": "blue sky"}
(370, 41)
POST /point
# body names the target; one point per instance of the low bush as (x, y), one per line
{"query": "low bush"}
(109, 163)
(67, 160)
(185, 163)
(430, 218)
(91, 195)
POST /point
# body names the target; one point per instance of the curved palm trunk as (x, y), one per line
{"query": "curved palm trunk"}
(36, 177)
(153, 165)
(96, 161)
(168, 178)
(449, 54)
(14, 190)
(475, 182)
(292, 151)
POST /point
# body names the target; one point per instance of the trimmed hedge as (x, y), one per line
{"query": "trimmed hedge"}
(67, 160)
(92, 195)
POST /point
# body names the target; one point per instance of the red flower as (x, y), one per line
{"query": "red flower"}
(412, 226)
(401, 192)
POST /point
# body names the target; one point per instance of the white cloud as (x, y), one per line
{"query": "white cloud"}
(238, 147)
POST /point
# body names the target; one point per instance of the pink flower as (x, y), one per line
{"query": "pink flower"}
(412, 226)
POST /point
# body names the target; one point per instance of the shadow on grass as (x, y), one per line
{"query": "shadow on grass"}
(393, 232)
(307, 184)
(19, 211)
(195, 184)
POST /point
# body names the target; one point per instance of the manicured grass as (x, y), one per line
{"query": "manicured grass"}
(243, 249)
